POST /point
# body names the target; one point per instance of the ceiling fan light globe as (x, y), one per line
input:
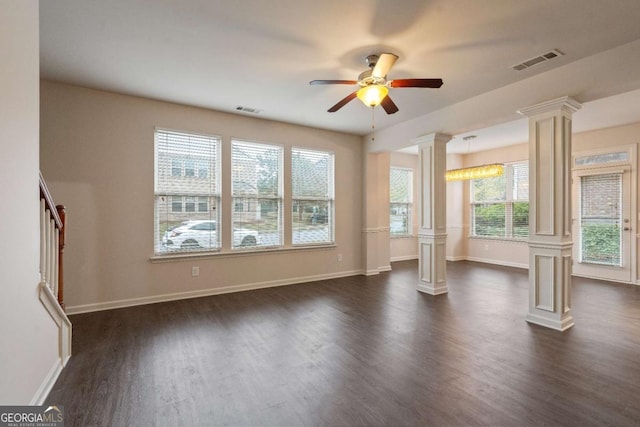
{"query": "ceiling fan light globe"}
(372, 95)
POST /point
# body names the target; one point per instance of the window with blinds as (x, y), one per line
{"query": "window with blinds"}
(186, 199)
(500, 205)
(312, 186)
(601, 219)
(400, 201)
(256, 189)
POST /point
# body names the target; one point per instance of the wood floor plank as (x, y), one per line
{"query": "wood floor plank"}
(360, 351)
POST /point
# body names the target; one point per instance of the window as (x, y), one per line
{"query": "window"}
(256, 188)
(401, 199)
(601, 219)
(500, 205)
(312, 176)
(189, 168)
(176, 167)
(186, 210)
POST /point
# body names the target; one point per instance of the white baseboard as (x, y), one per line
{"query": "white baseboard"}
(404, 258)
(497, 262)
(456, 258)
(110, 305)
(47, 384)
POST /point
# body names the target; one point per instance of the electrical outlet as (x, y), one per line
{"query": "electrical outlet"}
(195, 271)
(339, 257)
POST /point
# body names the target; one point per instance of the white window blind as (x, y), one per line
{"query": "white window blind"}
(312, 182)
(500, 205)
(256, 187)
(186, 203)
(601, 219)
(401, 200)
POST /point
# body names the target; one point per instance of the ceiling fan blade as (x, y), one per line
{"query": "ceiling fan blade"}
(384, 64)
(342, 103)
(333, 82)
(389, 106)
(431, 83)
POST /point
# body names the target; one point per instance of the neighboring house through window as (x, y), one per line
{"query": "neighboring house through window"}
(186, 203)
(256, 188)
(312, 175)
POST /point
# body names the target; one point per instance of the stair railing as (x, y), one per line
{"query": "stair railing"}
(52, 237)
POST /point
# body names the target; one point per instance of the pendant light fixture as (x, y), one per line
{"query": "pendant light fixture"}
(474, 172)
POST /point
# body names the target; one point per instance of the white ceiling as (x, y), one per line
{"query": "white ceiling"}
(220, 54)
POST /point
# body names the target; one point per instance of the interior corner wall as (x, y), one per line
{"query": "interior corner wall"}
(29, 349)
(97, 153)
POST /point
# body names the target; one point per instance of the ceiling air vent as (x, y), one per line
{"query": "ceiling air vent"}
(248, 110)
(537, 60)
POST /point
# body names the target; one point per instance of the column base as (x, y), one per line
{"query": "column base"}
(432, 290)
(559, 325)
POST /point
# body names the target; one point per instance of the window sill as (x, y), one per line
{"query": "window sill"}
(236, 253)
(402, 236)
(499, 239)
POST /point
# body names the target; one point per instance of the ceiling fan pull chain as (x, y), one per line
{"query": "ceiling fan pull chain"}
(373, 124)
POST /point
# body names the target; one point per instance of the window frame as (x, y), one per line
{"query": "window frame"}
(408, 205)
(509, 202)
(279, 198)
(172, 189)
(329, 198)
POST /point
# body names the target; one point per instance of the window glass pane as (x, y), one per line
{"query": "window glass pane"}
(520, 181)
(203, 170)
(521, 219)
(203, 204)
(176, 168)
(257, 196)
(312, 221)
(189, 168)
(601, 219)
(400, 218)
(489, 220)
(500, 205)
(400, 197)
(489, 189)
(312, 183)
(601, 159)
(401, 185)
(190, 204)
(176, 203)
(186, 209)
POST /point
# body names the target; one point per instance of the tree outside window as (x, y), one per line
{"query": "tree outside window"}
(500, 205)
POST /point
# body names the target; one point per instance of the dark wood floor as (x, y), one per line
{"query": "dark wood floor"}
(360, 351)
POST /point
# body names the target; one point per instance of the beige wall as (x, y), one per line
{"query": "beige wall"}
(97, 152)
(29, 348)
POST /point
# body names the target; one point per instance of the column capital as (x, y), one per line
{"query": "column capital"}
(566, 104)
(432, 137)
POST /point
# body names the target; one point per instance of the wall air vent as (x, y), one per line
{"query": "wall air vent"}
(547, 56)
(248, 110)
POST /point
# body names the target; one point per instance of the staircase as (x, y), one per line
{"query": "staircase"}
(52, 239)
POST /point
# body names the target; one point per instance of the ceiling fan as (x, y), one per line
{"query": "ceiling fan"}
(374, 84)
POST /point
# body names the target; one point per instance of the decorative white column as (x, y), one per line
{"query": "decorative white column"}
(550, 241)
(432, 232)
(376, 214)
